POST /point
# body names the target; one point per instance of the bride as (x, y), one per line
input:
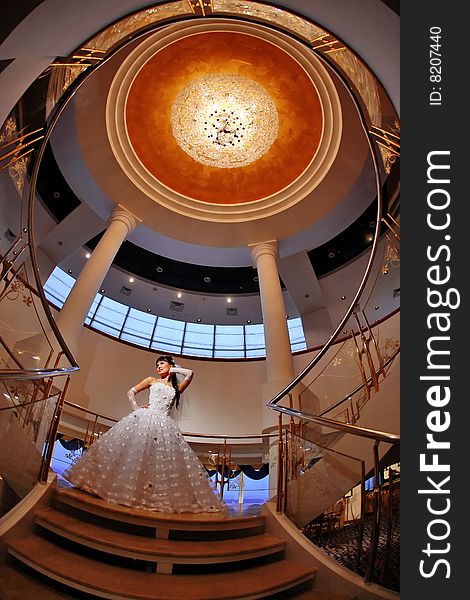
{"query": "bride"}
(144, 461)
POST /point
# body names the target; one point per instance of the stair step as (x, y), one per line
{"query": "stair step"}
(205, 522)
(158, 550)
(118, 583)
(19, 584)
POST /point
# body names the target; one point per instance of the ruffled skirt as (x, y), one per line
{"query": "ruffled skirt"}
(145, 462)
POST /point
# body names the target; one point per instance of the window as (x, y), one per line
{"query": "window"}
(110, 316)
(170, 335)
(139, 327)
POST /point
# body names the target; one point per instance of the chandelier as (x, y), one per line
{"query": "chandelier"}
(224, 120)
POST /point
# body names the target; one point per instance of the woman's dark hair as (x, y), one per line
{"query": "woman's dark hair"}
(174, 382)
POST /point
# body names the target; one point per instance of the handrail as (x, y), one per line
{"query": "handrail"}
(374, 434)
(22, 374)
(272, 404)
(185, 433)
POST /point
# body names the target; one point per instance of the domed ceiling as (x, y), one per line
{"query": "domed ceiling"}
(239, 99)
(217, 134)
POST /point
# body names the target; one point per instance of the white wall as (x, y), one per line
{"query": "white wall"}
(225, 396)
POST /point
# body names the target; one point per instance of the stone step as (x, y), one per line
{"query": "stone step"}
(161, 522)
(120, 583)
(153, 549)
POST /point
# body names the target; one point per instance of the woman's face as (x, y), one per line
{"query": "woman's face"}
(163, 368)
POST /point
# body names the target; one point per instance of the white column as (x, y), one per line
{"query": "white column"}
(75, 309)
(279, 363)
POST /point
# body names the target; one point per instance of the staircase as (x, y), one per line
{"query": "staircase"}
(88, 546)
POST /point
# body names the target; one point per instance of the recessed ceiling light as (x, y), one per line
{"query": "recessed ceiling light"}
(376, 307)
(131, 280)
(256, 279)
(207, 279)
(102, 291)
(331, 254)
(179, 294)
(56, 195)
(229, 300)
(149, 310)
(343, 297)
(159, 269)
(69, 271)
(198, 320)
(248, 321)
(87, 255)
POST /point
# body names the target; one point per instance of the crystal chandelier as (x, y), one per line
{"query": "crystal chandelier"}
(224, 120)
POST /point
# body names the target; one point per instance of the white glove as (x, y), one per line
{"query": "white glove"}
(131, 397)
(188, 373)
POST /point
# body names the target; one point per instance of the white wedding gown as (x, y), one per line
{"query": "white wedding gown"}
(144, 461)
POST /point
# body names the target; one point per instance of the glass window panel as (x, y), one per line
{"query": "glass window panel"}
(91, 312)
(229, 336)
(255, 352)
(198, 336)
(58, 286)
(110, 316)
(138, 327)
(254, 339)
(205, 352)
(218, 353)
(296, 334)
(168, 335)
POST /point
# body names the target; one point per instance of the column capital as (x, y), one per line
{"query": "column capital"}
(124, 216)
(269, 247)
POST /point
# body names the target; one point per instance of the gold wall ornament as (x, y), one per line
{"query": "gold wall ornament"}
(201, 7)
(224, 120)
(15, 149)
(389, 144)
(327, 44)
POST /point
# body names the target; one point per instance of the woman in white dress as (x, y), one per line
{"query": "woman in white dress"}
(144, 461)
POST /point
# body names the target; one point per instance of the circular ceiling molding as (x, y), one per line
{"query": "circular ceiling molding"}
(155, 75)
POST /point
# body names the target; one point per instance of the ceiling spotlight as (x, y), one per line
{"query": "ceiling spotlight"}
(149, 310)
(102, 291)
(131, 280)
(256, 279)
(343, 297)
(207, 279)
(56, 195)
(376, 307)
(69, 271)
(198, 320)
(179, 294)
(159, 269)
(248, 321)
(331, 254)
(87, 255)
(370, 237)
(229, 300)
